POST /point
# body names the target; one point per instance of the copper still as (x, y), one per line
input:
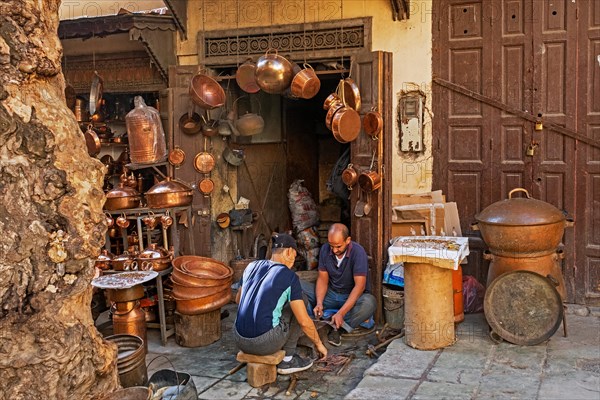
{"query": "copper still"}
(146, 135)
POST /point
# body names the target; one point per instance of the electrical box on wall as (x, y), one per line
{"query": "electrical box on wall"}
(411, 123)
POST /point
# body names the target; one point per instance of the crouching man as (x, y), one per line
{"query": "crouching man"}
(272, 313)
(343, 287)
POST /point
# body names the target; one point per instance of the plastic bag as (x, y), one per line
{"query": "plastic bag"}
(473, 295)
(394, 274)
(311, 256)
(146, 135)
(308, 238)
(302, 207)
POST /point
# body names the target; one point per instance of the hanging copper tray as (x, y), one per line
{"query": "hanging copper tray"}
(176, 157)
(96, 92)
(204, 162)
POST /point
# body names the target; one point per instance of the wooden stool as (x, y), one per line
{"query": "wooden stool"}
(197, 330)
(261, 370)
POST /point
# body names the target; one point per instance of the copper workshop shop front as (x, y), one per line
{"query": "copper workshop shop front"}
(293, 141)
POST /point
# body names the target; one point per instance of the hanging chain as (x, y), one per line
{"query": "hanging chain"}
(342, 33)
(304, 33)
(271, 31)
(237, 33)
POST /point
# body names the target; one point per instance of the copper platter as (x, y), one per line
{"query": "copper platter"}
(176, 157)
(206, 186)
(204, 162)
(346, 125)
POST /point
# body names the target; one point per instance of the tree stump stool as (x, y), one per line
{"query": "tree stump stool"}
(261, 370)
(197, 330)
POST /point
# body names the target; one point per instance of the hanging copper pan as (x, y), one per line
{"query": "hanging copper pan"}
(190, 124)
(306, 83)
(92, 142)
(204, 162)
(176, 157)
(206, 186)
(369, 181)
(332, 98)
(372, 123)
(333, 108)
(345, 125)
(206, 92)
(350, 176)
(351, 94)
(245, 77)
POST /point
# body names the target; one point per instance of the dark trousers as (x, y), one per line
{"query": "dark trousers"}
(363, 309)
(284, 336)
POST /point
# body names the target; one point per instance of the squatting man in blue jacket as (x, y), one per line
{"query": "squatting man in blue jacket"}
(272, 313)
(343, 286)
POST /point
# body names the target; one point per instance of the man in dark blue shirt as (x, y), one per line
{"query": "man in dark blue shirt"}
(272, 313)
(342, 285)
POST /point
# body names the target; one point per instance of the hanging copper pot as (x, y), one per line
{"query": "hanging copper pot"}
(350, 94)
(350, 176)
(306, 83)
(333, 108)
(190, 124)
(245, 77)
(332, 98)
(372, 123)
(274, 73)
(92, 141)
(346, 125)
(204, 162)
(369, 181)
(206, 92)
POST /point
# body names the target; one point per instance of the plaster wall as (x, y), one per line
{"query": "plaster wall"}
(410, 42)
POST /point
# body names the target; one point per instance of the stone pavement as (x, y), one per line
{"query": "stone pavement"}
(473, 368)
(477, 368)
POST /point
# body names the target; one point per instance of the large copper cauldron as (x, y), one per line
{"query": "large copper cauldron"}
(522, 227)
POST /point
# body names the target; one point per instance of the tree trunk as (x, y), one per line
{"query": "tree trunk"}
(51, 221)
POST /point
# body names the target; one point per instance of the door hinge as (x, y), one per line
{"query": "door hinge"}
(577, 13)
(491, 144)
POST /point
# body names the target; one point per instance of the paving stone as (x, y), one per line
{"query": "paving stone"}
(447, 374)
(224, 389)
(382, 387)
(401, 361)
(508, 385)
(577, 309)
(202, 383)
(443, 391)
(572, 386)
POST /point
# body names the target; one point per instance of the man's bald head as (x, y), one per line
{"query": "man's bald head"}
(339, 229)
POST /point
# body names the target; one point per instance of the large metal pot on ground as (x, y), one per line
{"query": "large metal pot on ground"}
(169, 193)
(522, 227)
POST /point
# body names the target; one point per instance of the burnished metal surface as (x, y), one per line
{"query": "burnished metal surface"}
(274, 73)
(168, 193)
(122, 197)
(523, 307)
(206, 92)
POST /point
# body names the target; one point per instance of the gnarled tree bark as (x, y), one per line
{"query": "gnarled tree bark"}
(51, 221)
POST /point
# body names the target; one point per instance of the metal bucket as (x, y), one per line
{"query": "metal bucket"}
(393, 307)
(167, 377)
(131, 393)
(131, 360)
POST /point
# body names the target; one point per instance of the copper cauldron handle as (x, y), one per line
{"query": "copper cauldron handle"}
(518, 190)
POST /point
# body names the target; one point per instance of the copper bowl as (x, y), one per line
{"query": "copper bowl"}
(206, 92)
(203, 304)
(186, 292)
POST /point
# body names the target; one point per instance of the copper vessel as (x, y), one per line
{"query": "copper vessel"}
(154, 258)
(128, 318)
(203, 304)
(126, 295)
(522, 226)
(545, 265)
(124, 262)
(104, 260)
(206, 92)
(121, 198)
(146, 135)
(169, 193)
(273, 72)
(306, 83)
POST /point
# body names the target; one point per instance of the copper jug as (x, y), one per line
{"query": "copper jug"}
(129, 318)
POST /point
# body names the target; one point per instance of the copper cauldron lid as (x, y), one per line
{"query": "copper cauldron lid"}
(105, 256)
(168, 186)
(520, 211)
(122, 191)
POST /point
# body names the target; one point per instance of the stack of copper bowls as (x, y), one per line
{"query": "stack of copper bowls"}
(200, 284)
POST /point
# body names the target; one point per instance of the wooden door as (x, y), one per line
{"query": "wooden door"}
(534, 56)
(587, 185)
(372, 72)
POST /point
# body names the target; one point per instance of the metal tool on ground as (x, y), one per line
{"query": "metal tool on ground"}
(345, 365)
(293, 382)
(372, 350)
(236, 368)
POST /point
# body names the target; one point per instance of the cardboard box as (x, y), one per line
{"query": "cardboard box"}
(409, 227)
